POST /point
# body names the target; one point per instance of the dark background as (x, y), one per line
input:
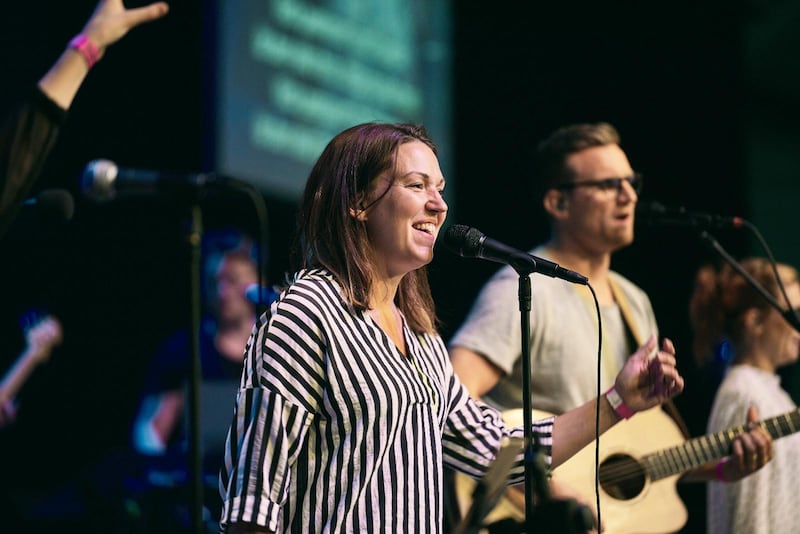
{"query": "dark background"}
(703, 94)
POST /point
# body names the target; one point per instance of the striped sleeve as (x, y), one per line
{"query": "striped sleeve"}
(281, 387)
(474, 432)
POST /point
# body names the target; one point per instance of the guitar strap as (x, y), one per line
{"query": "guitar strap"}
(635, 340)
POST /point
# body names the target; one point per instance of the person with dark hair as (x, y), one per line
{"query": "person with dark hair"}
(728, 315)
(160, 432)
(589, 192)
(348, 407)
(29, 132)
(230, 267)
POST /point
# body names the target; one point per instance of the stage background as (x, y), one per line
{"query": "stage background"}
(704, 95)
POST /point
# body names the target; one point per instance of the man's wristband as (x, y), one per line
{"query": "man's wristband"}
(86, 48)
(718, 473)
(618, 404)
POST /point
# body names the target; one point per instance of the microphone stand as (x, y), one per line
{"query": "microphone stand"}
(534, 478)
(531, 446)
(789, 314)
(194, 239)
(554, 515)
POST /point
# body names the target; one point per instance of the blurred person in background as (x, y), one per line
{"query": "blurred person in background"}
(730, 318)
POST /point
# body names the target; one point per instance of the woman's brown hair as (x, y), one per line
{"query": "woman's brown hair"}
(329, 236)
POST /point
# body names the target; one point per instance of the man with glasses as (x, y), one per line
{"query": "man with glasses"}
(589, 192)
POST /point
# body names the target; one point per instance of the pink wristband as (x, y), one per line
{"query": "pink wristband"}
(618, 404)
(718, 471)
(86, 48)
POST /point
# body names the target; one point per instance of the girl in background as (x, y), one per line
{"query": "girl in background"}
(728, 314)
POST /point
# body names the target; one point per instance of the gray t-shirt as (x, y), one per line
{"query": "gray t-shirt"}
(563, 340)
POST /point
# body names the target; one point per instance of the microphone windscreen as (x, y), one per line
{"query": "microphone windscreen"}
(98, 179)
(54, 206)
(654, 213)
(260, 295)
(463, 240)
(650, 208)
(454, 237)
(41, 214)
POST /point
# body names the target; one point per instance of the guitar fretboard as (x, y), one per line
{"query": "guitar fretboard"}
(697, 451)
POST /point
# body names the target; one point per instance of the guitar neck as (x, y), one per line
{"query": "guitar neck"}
(698, 451)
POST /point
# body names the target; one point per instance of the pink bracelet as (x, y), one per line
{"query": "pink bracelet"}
(618, 404)
(718, 471)
(86, 48)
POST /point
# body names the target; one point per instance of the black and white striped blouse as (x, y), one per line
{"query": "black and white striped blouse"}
(335, 430)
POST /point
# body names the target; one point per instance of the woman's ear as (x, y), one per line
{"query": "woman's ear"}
(359, 212)
(753, 319)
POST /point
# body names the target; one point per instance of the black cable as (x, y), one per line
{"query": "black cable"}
(597, 407)
(774, 264)
(789, 314)
(260, 207)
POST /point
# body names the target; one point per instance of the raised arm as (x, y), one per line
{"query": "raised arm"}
(109, 22)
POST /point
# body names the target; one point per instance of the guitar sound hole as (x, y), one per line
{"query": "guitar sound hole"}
(622, 477)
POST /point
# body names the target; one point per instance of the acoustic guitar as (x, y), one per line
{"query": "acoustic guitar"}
(641, 460)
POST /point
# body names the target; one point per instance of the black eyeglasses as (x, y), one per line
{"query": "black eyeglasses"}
(606, 184)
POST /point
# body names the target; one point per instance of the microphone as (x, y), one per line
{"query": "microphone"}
(656, 214)
(102, 180)
(471, 243)
(51, 206)
(260, 295)
(40, 215)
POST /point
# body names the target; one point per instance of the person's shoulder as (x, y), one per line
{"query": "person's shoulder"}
(315, 285)
(541, 251)
(626, 285)
(749, 377)
(312, 278)
(506, 274)
(740, 387)
(548, 287)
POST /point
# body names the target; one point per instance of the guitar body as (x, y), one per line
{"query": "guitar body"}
(640, 505)
(629, 504)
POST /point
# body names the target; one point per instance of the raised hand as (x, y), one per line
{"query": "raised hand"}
(108, 23)
(110, 20)
(650, 376)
